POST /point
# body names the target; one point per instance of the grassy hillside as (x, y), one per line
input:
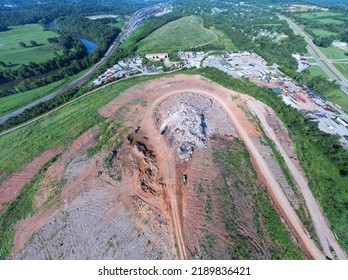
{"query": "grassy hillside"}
(15, 101)
(182, 34)
(11, 52)
(23, 145)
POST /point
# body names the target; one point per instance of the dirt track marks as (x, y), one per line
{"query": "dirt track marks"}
(11, 187)
(320, 222)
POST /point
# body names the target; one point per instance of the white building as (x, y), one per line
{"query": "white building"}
(156, 56)
(340, 45)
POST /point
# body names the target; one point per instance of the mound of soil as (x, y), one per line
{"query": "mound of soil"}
(159, 187)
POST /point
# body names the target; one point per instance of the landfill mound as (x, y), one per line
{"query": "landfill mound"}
(165, 175)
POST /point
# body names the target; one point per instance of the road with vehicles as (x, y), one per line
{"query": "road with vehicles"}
(320, 58)
(134, 21)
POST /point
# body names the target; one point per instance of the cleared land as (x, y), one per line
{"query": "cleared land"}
(93, 199)
(19, 100)
(22, 146)
(12, 54)
(81, 209)
(183, 34)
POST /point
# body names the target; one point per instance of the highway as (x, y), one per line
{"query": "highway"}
(138, 17)
(320, 58)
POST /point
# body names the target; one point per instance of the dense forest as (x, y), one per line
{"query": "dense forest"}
(44, 13)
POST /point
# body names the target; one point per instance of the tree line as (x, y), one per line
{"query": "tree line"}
(45, 13)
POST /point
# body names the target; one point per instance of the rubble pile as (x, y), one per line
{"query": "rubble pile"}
(189, 119)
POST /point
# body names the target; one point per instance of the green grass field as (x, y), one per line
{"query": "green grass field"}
(317, 71)
(323, 32)
(12, 53)
(343, 68)
(336, 96)
(182, 34)
(334, 53)
(15, 101)
(328, 20)
(118, 24)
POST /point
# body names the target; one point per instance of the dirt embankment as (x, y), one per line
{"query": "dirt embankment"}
(11, 187)
(277, 132)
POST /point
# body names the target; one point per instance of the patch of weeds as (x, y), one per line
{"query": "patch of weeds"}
(207, 245)
(117, 178)
(281, 246)
(54, 197)
(160, 256)
(108, 161)
(289, 178)
(208, 209)
(198, 188)
(18, 209)
(107, 130)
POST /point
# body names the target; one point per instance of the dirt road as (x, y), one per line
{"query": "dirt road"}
(245, 131)
(166, 159)
(320, 222)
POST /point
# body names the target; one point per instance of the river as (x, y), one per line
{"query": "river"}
(90, 45)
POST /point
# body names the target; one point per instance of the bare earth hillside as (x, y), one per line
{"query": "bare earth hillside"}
(179, 169)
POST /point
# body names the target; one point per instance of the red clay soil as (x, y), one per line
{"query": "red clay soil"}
(57, 169)
(11, 187)
(26, 228)
(157, 91)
